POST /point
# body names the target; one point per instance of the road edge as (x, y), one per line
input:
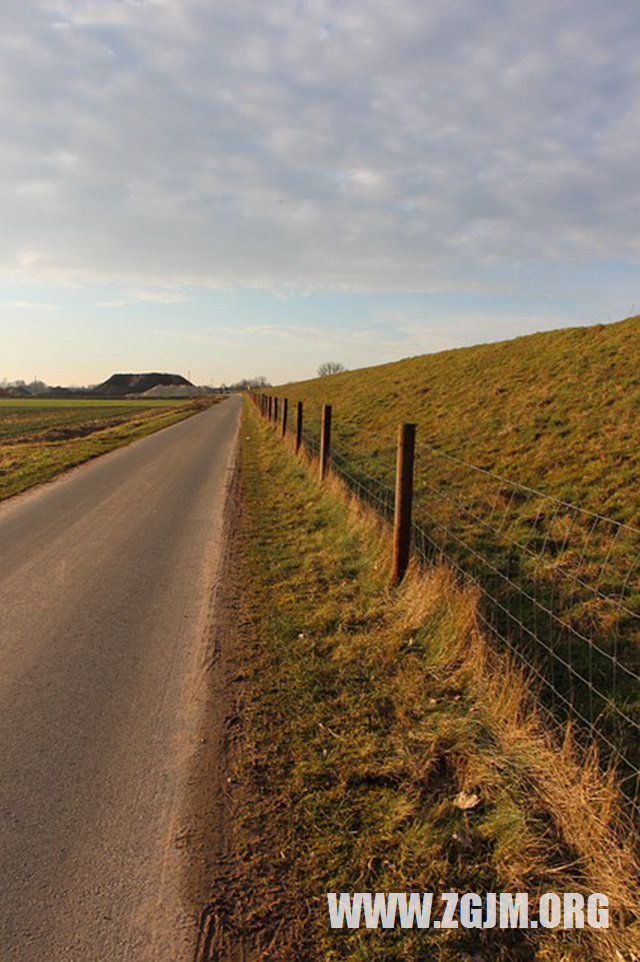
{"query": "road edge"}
(208, 804)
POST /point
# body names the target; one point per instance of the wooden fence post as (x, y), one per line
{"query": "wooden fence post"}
(285, 412)
(270, 410)
(275, 410)
(404, 499)
(298, 426)
(325, 440)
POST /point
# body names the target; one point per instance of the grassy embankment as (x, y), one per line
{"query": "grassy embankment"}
(366, 712)
(558, 412)
(40, 439)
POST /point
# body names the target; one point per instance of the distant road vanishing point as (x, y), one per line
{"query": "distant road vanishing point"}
(105, 587)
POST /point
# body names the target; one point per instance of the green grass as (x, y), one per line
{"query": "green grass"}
(41, 439)
(365, 713)
(556, 413)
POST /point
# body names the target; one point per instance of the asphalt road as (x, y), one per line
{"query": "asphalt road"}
(106, 581)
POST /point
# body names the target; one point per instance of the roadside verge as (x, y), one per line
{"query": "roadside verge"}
(373, 742)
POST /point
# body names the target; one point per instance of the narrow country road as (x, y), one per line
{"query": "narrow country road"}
(106, 578)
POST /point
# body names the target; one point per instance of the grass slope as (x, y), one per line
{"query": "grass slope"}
(365, 713)
(41, 439)
(555, 411)
(558, 411)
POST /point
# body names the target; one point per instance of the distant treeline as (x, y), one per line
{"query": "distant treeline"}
(36, 388)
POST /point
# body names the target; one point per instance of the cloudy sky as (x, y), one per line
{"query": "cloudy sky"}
(232, 189)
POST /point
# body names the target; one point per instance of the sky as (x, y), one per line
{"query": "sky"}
(227, 190)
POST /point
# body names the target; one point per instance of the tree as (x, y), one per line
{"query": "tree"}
(330, 367)
(37, 387)
(249, 384)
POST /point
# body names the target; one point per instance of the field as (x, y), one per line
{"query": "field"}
(527, 474)
(40, 439)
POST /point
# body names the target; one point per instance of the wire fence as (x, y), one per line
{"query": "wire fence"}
(559, 588)
(559, 585)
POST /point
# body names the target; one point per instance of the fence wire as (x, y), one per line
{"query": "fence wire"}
(559, 585)
(372, 491)
(559, 588)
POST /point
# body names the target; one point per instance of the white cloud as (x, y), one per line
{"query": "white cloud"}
(354, 145)
(186, 336)
(146, 297)
(29, 306)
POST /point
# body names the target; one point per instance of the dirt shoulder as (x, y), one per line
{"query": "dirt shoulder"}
(207, 837)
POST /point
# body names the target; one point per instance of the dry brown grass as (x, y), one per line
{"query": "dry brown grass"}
(583, 801)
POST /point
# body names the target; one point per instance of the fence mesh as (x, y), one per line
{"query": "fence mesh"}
(559, 585)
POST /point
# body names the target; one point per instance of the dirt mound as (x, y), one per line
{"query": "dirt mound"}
(118, 385)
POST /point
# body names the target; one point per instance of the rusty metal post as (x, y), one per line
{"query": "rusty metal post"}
(404, 499)
(298, 426)
(325, 441)
(285, 412)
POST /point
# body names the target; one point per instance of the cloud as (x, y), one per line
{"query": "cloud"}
(30, 306)
(353, 340)
(146, 297)
(352, 145)
(188, 337)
